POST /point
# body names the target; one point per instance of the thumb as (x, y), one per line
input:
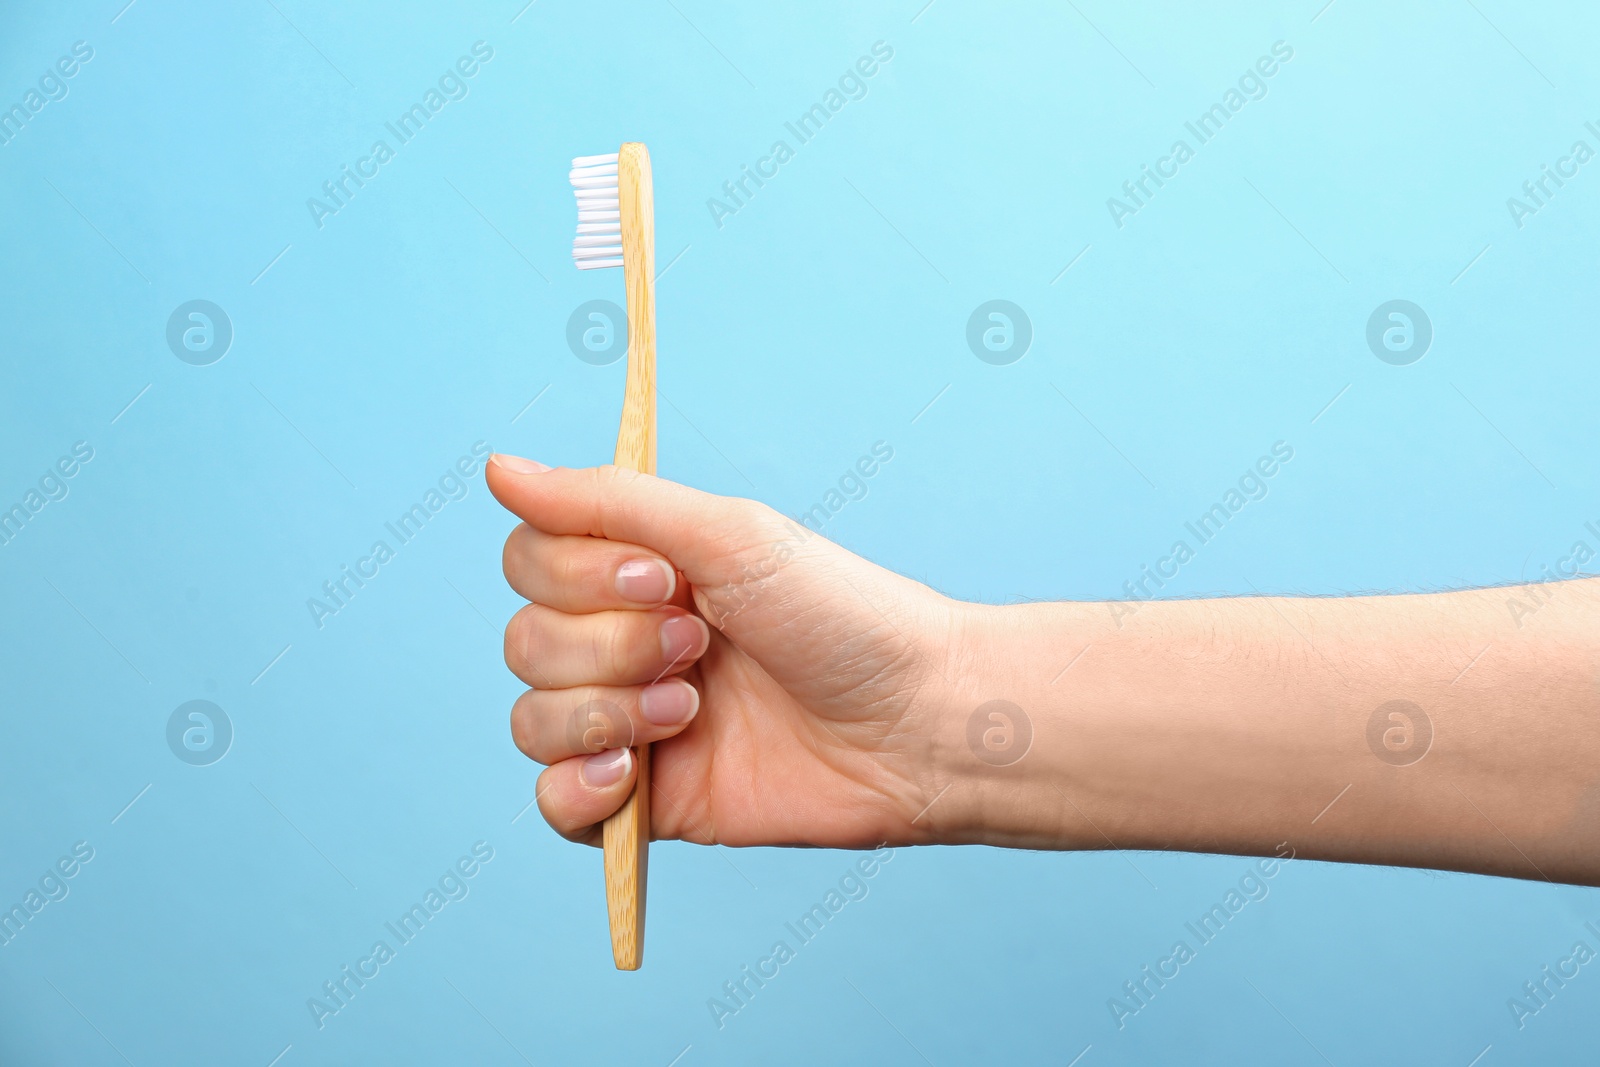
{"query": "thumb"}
(719, 543)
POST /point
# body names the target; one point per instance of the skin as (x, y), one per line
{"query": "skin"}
(816, 699)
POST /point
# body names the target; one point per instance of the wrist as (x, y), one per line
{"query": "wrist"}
(1003, 727)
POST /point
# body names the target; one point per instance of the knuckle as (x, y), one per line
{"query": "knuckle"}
(524, 729)
(742, 534)
(513, 550)
(612, 497)
(612, 476)
(759, 520)
(519, 638)
(610, 482)
(745, 511)
(615, 652)
(561, 820)
(549, 803)
(596, 723)
(567, 571)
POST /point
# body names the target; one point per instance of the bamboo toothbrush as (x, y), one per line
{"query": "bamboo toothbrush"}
(616, 228)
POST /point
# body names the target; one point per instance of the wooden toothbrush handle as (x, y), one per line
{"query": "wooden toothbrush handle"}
(627, 833)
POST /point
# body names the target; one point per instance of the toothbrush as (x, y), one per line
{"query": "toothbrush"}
(616, 228)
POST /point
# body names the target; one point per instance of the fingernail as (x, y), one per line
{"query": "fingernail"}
(605, 768)
(518, 465)
(683, 637)
(669, 703)
(644, 581)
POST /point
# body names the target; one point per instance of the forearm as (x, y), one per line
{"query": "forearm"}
(1236, 725)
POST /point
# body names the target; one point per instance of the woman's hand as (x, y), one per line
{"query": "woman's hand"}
(788, 687)
(830, 702)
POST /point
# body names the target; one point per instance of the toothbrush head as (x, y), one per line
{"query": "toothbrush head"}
(599, 240)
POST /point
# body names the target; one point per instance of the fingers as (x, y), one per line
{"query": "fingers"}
(576, 795)
(586, 734)
(702, 534)
(580, 575)
(553, 725)
(549, 649)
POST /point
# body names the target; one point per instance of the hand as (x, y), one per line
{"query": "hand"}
(788, 687)
(798, 695)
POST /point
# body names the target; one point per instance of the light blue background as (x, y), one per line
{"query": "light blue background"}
(822, 317)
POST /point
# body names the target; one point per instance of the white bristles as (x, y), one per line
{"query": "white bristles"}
(594, 185)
